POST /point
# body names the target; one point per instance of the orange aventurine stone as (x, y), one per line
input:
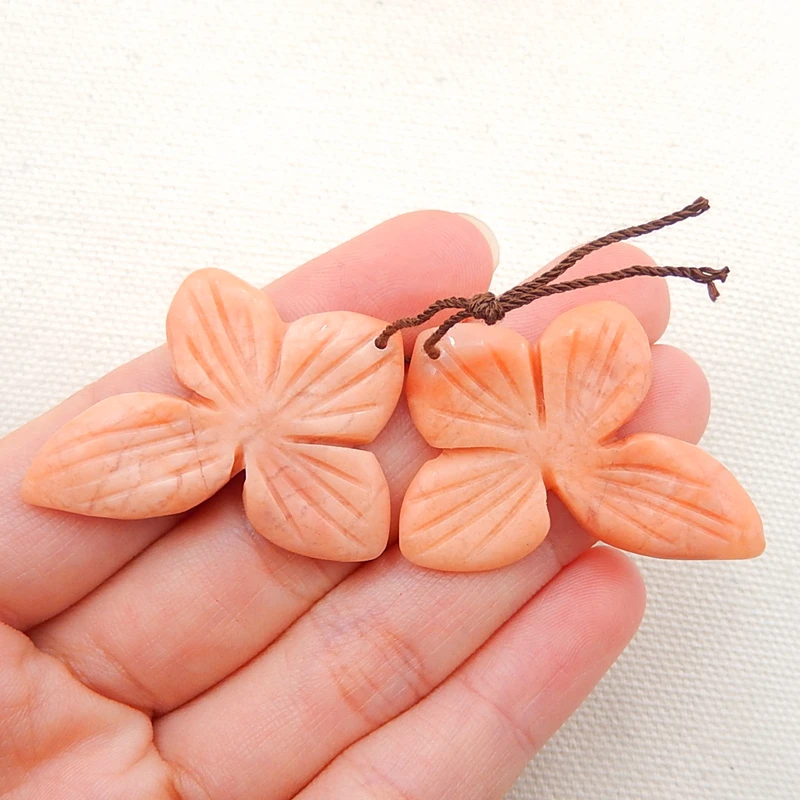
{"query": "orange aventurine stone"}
(513, 419)
(285, 402)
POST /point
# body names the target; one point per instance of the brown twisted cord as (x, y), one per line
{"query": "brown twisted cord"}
(529, 293)
(424, 316)
(491, 309)
(700, 206)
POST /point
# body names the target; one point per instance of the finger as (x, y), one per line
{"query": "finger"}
(647, 298)
(219, 581)
(679, 390)
(473, 736)
(51, 559)
(366, 652)
(61, 740)
(370, 649)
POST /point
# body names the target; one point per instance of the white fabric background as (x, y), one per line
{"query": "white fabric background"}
(139, 141)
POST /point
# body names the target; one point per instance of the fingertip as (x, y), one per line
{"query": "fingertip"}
(679, 400)
(608, 589)
(621, 576)
(488, 235)
(395, 269)
(646, 297)
(650, 295)
(461, 244)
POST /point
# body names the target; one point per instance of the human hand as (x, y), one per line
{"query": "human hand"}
(187, 658)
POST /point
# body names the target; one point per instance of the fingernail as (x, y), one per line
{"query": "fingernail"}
(487, 234)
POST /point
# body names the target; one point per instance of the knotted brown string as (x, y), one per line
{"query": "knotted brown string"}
(491, 309)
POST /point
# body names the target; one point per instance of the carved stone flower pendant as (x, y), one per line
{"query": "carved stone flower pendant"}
(285, 402)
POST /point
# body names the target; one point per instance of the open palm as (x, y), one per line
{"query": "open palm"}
(187, 658)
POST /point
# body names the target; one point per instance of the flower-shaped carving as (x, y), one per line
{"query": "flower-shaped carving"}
(286, 403)
(514, 419)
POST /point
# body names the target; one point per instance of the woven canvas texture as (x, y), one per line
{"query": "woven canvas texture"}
(139, 141)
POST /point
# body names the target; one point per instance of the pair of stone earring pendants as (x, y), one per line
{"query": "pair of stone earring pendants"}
(290, 404)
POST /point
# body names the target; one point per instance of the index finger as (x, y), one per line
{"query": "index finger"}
(50, 559)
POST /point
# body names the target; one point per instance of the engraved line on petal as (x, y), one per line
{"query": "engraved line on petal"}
(97, 436)
(610, 401)
(186, 437)
(451, 534)
(485, 488)
(500, 524)
(587, 376)
(476, 380)
(356, 379)
(331, 520)
(493, 502)
(333, 365)
(476, 418)
(257, 347)
(569, 383)
(193, 453)
(289, 480)
(234, 383)
(671, 506)
(628, 518)
(324, 465)
(225, 322)
(211, 374)
(476, 398)
(339, 412)
(276, 496)
(332, 490)
(460, 484)
(608, 363)
(653, 470)
(312, 356)
(173, 475)
(509, 378)
(538, 386)
(146, 457)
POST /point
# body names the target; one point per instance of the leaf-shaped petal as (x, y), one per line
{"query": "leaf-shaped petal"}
(596, 369)
(333, 384)
(480, 392)
(470, 510)
(223, 336)
(658, 496)
(132, 456)
(318, 500)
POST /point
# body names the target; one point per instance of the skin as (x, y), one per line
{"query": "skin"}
(187, 658)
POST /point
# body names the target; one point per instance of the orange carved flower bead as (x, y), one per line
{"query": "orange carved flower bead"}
(513, 420)
(284, 402)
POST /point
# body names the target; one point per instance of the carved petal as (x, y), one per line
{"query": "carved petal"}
(132, 456)
(317, 500)
(333, 384)
(480, 391)
(223, 336)
(473, 510)
(661, 497)
(596, 369)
